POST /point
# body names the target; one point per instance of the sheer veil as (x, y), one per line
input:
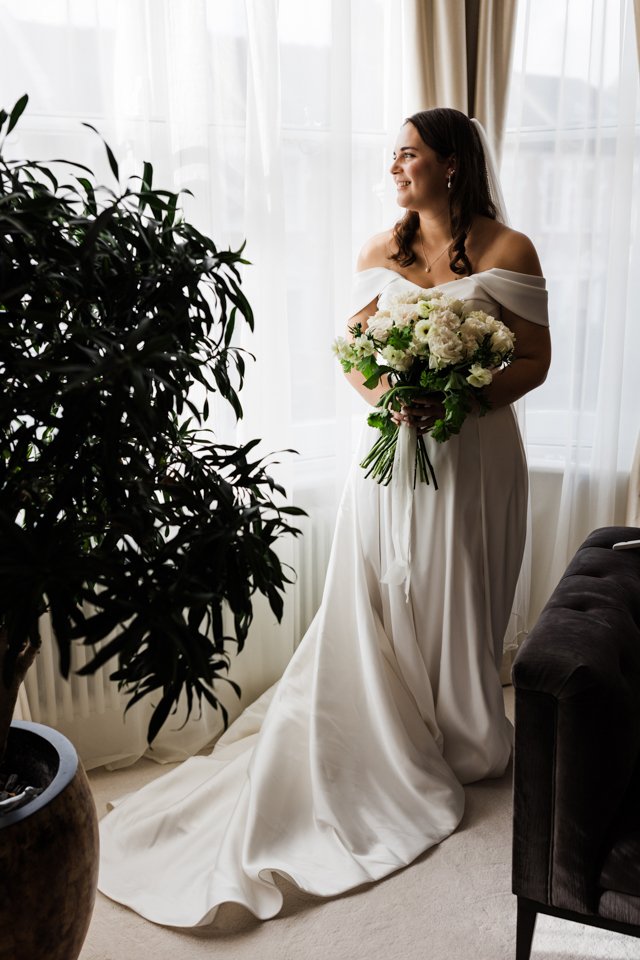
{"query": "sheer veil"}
(492, 173)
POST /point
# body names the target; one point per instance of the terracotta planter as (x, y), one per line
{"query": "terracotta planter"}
(48, 851)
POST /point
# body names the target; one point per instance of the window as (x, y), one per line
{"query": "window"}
(571, 173)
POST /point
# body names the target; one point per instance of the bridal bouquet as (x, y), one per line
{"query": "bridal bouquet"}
(425, 342)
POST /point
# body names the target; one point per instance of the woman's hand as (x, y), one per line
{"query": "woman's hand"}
(422, 413)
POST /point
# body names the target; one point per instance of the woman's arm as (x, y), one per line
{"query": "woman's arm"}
(528, 369)
(531, 359)
(354, 376)
(532, 354)
(373, 254)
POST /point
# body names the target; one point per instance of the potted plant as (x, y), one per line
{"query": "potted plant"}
(121, 515)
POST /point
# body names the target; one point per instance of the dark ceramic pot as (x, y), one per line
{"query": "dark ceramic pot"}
(48, 850)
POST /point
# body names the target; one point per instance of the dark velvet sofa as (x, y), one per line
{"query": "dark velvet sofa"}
(576, 827)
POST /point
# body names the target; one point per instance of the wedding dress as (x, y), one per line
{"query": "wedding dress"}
(353, 764)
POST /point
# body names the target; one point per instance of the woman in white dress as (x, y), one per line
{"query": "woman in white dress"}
(353, 764)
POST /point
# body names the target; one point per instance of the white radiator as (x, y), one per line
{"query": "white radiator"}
(55, 701)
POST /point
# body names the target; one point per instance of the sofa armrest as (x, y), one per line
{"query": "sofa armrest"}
(577, 723)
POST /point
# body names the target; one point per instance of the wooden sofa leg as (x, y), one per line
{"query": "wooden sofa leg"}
(526, 923)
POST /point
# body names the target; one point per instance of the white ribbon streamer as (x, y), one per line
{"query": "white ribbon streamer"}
(401, 496)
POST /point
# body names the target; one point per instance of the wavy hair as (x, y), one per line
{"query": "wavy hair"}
(450, 133)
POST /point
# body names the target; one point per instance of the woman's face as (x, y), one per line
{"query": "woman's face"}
(420, 177)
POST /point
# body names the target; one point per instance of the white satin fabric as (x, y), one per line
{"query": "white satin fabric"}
(522, 294)
(353, 764)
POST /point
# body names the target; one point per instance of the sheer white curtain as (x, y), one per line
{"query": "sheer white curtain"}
(278, 116)
(571, 174)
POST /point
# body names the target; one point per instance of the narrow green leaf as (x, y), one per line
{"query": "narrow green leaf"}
(17, 111)
(113, 164)
(147, 175)
(159, 716)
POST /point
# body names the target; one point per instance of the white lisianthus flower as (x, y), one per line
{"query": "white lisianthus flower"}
(479, 376)
(419, 348)
(445, 319)
(344, 350)
(502, 340)
(472, 333)
(475, 326)
(470, 342)
(397, 359)
(483, 321)
(445, 347)
(430, 331)
(404, 314)
(364, 346)
(407, 296)
(421, 330)
(380, 324)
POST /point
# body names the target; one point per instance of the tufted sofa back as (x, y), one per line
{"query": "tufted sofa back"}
(576, 839)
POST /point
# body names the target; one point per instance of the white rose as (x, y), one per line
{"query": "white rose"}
(479, 376)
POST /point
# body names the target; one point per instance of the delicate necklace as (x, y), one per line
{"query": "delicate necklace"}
(429, 266)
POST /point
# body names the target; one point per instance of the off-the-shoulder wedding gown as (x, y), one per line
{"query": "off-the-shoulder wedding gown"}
(353, 764)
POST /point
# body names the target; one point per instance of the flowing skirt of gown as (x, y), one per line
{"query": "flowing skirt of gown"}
(352, 765)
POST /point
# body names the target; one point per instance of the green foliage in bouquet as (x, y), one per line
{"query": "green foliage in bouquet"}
(425, 343)
(119, 514)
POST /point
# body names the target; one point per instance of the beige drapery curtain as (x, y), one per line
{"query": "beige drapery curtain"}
(458, 54)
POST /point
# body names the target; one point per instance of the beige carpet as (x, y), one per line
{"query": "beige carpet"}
(453, 903)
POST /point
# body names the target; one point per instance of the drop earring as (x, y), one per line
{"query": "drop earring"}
(449, 179)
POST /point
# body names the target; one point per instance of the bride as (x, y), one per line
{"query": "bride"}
(353, 764)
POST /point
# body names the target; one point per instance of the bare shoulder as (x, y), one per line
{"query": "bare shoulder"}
(375, 252)
(512, 250)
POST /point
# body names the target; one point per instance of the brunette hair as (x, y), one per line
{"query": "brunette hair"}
(450, 133)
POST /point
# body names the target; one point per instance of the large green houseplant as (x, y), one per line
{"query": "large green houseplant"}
(139, 532)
